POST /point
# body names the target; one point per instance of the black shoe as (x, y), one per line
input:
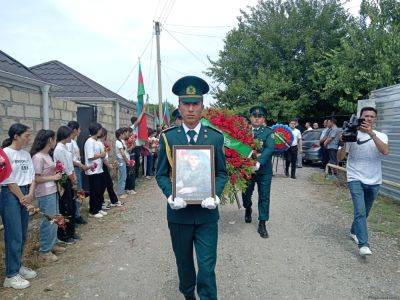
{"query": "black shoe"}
(247, 215)
(69, 241)
(293, 176)
(190, 297)
(287, 173)
(77, 237)
(262, 230)
(80, 220)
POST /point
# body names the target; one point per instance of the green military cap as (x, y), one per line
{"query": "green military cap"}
(258, 111)
(190, 89)
(176, 114)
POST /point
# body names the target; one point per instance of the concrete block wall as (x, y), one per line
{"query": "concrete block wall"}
(22, 105)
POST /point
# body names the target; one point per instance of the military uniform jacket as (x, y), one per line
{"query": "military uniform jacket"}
(264, 134)
(191, 214)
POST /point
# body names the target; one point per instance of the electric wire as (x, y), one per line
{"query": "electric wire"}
(184, 46)
(134, 67)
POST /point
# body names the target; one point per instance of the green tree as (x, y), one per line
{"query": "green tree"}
(368, 57)
(269, 58)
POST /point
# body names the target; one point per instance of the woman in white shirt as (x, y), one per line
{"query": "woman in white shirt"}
(94, 159)
(67, 203)
(17, 193)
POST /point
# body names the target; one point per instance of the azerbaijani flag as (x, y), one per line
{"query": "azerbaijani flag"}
(166, 117)
(142, 130)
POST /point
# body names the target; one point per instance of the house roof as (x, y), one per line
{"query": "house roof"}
(10, 65)
(72, 84)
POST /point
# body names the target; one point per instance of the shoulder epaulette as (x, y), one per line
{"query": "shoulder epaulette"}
(168, 129)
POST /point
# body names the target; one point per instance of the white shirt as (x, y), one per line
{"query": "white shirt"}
(309, 129)
(92, 147)
(136, 131)
(23, 172)
(197, 129)
(121, 145)
(62, 154)
(296, 136)
(74, 149)
(364, 160)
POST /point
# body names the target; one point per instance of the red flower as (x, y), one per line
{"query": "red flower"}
(131, 163)
(59, 167)
(93, 167)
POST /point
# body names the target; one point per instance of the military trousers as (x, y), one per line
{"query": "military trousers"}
(204, 238)
(264, 188)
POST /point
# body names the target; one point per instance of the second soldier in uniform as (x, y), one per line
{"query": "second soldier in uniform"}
(263, 170)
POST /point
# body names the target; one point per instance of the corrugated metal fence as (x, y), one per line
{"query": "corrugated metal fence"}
(387, 101)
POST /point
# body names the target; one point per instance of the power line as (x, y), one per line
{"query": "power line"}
(155, 12)
(163, 10)
(175, 70)
(169, 12)
(200, 26)
(195, 34)
(134, 67)
(187, 49)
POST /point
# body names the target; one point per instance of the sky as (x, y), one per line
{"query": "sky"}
(104, 39)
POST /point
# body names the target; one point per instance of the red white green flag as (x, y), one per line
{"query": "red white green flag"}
(142, 129)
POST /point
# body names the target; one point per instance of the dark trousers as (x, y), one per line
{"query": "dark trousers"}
(264, 188)
(149, 165)
(325, 156)
(136, 156)
(204, 237)
(67, 207)
(130, 183)
(332, 160)
(109, 185)
(97, 188)
(291, 159)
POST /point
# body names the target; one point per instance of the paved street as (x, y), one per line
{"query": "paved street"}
(128, 254)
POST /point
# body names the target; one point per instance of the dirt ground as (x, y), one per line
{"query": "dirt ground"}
(309, 255)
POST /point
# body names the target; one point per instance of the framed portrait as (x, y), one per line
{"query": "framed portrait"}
(193, 177)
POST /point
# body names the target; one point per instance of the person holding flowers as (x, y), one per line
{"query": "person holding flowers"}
(17, 192)
(78, 167)
(105, 147)
(130, 142)
(122, 154)
(46, 192)
(94, 155)
(64, 165)
(263, 170)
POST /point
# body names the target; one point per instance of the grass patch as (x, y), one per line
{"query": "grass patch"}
(385, 213)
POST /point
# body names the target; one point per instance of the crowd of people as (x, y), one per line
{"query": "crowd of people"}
(53, 172)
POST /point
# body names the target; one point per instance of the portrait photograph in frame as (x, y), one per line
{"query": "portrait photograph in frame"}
(193, 173)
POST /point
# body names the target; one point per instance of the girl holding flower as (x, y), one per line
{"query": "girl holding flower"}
(67, 204)
(46, 192)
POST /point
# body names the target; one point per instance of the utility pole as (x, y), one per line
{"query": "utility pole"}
(160, 108)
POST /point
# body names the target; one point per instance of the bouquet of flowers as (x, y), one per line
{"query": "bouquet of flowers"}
(60, 169)
(59, 220)
(93, 166)
(81, 196)
(240, 150)
(107, 147)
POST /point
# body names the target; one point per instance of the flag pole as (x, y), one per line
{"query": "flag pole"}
(160, 105)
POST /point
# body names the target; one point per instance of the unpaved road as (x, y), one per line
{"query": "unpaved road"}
(128, 254)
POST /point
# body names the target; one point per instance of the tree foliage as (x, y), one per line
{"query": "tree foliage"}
(308, 58)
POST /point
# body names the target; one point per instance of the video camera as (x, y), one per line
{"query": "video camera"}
(350, 129)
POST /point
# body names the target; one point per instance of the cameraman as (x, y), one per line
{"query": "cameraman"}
(364, 173)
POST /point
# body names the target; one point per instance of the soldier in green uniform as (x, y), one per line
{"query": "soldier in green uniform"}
(192, 225)
(263, 170)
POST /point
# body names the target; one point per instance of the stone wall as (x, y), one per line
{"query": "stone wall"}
(22, 105)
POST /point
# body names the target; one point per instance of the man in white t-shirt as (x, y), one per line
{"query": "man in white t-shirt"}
(295, 148)
(364, 173)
